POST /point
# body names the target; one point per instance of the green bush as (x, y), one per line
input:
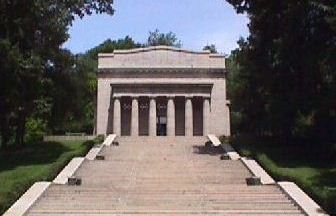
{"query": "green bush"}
(89, 143)
(99, 139)
(35, 130)
(225, 139)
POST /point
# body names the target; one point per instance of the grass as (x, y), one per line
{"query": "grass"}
(314, 175)
(37, 162)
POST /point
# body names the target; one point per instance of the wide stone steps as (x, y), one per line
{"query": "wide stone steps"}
(175, 212)
(163, 176)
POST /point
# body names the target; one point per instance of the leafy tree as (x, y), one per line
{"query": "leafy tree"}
(212, 48)
(31, 36)
(286, 73)
(109, 46)
(74, 88)
(157, 38)
(75, 91)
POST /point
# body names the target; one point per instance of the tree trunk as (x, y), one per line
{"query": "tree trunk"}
(21, 127)
(4, 131)
(4, 138)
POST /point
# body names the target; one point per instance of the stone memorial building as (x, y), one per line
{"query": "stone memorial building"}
(162, 91)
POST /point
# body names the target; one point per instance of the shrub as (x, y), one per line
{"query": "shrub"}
(89, 144)
(99, 139)
(35, 130)
(225, 139)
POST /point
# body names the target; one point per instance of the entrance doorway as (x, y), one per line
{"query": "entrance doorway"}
(161, 117)
(161, 126)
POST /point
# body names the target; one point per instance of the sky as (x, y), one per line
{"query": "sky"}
(195, 22)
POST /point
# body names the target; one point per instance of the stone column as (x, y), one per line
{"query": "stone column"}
(206, 116)
(135, 117)
(116, 117)
(171, 117)
(188, 117)
(152, 117)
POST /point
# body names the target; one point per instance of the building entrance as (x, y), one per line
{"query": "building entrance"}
(161, 126)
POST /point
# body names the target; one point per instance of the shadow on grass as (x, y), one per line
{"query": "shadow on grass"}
(210, 150)
(327, 178)
(325, 184)
(285, 155)
(39, 153)
(317, 178)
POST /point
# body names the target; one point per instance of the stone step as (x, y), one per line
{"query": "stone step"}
(170, 212)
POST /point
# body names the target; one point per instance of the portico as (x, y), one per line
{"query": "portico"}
(159, 115)
(162, 91)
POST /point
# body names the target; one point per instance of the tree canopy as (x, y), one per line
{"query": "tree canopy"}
(45, 88)
(284, 73)
(156, 38)
(212, 48)
(31, 36)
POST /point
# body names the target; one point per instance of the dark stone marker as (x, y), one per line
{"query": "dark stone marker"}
(100, 157)
(74, 181)
(253, 181)
(208, 144)
(225, 157)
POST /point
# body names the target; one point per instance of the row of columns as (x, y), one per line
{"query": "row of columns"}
(152, 117)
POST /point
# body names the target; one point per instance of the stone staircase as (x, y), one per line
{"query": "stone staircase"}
(163, 176)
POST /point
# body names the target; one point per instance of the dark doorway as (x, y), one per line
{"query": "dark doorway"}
(161, 126)
(161, 118)
(126, 113)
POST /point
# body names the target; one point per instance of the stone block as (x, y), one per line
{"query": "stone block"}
(73, 180)
(225, 157)
(253, 181)
(208, 144)
(100, 157)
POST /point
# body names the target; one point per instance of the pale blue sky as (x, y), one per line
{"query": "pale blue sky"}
(195, 22)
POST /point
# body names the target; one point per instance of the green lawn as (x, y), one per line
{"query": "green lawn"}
(284, 163)
(38, 162)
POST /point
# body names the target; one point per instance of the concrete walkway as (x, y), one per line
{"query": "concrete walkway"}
(163, 176)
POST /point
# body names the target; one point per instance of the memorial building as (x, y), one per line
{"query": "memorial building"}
(162, 91)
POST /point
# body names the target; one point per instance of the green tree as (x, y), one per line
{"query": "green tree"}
(74, 87)
(212, 48)
(75, 90)
(287, 85)
(157, 38)
(108, 46)
(31, 36)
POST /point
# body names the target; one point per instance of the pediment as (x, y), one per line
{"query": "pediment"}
(160, 57)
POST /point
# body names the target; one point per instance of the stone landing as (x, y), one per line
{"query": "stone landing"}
(163, 176)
